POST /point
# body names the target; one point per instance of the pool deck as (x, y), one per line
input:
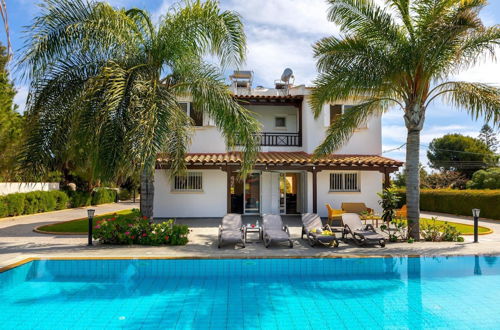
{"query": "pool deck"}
(18, 241)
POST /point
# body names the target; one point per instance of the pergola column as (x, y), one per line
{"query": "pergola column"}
(315, 190)
(228, 184)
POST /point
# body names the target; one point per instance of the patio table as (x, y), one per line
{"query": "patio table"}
(252, 231)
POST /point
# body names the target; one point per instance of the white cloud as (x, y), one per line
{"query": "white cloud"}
(487, 71)
(20, 97)
(297, 16)
(270, 51)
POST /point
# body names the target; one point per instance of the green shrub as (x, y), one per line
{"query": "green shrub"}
(103, 196)
(31, 202)
(48, 202)
(79, 198)
(124, 195)
(61, 199)
(460, 202)
(138, 230)
(432, 231)
(4, 211)
(485, 179)
(15, 204)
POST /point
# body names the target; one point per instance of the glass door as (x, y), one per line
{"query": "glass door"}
(282, 185)
(252, 193)
(291, 193)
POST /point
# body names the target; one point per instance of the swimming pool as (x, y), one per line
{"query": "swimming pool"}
(394, 293)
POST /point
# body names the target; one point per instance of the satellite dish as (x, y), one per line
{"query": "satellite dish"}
(287, 74)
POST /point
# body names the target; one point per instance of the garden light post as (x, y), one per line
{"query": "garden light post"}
(475, 213)
(90, 213)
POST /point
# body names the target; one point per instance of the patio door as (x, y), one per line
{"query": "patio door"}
(289, 184)
(252, 194)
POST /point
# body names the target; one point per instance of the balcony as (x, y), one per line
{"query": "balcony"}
(279, 139)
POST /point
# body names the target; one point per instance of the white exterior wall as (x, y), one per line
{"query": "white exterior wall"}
(24, 187)
(212, 202)
(364, 141)
(371, 184)
(207, 139)
(266, 114)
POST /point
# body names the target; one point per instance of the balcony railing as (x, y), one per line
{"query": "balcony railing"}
(279, 139)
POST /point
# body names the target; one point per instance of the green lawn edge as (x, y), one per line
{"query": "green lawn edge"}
(464, 229)
(80, 226)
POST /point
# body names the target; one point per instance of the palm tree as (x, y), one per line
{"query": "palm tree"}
(404, 55)
(104, 85)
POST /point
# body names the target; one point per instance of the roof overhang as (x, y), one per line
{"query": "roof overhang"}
(298, 160)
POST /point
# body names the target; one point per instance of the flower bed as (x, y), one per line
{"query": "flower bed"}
(139, 230)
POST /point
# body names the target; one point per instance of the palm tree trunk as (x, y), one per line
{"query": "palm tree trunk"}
(413, 182)
(147, 193)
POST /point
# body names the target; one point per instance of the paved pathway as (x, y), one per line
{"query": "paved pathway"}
(18, 241)
(17, 235)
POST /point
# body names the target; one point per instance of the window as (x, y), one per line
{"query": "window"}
(338, 109)
(191, 181)
(348, 181)
(335, 112)
(196, 116)
(280, 122)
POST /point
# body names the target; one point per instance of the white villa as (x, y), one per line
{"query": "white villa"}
(285, 179)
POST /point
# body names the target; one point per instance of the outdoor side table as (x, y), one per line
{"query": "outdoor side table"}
(253, 230)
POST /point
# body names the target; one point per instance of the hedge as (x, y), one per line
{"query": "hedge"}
(103, 196)
(32, 202)
(45, 201)
(459, 202)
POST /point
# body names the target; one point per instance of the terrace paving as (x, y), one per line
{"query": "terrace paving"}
(18, 241)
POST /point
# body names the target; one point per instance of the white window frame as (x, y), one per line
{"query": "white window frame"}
(341, 180)
(193, 183)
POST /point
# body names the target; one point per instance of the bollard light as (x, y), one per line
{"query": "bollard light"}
(475, 214)
(90, 214)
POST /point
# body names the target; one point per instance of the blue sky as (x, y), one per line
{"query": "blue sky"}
(280, 34)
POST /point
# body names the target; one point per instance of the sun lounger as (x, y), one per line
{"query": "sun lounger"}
(274, 231)
(362, 234)
(313, 228)
(230, 230)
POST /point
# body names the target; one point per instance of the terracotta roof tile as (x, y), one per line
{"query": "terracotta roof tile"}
(288, 158)
(270, 97)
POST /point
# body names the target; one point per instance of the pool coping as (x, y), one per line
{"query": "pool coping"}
(28, 260)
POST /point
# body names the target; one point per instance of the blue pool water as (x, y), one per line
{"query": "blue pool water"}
(391, 293)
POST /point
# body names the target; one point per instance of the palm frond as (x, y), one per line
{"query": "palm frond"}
(478, 99)
(203, 28)
(403, 8)
(212, 97)
(341, 130)
(364, 17)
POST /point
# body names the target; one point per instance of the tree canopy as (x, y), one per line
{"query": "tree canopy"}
(403, 54)
(11, 122)
(459, 153)
(105, 84)
(489, 137)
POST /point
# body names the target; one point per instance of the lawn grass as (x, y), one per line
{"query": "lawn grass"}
(81, 225)
(464, 229)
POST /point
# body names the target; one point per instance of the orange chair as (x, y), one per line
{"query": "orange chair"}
(333, 214)
(402, 212)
